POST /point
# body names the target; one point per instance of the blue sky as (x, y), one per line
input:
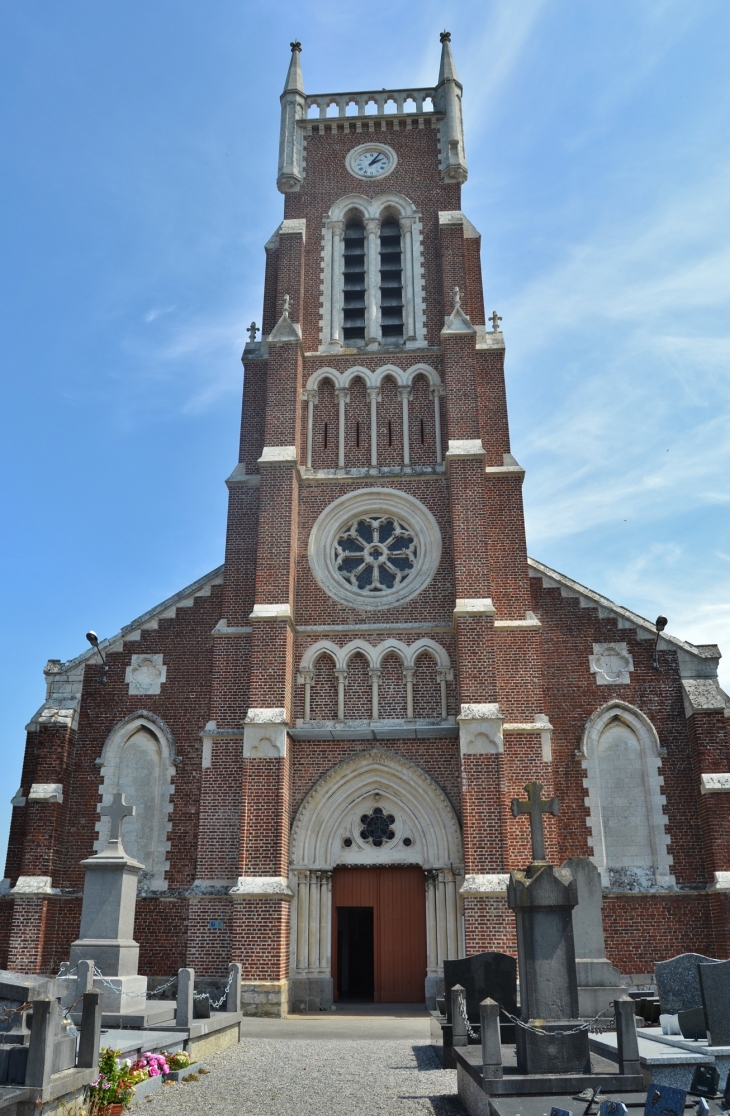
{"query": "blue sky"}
(137, 189)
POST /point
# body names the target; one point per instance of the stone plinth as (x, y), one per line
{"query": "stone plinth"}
(543, 899)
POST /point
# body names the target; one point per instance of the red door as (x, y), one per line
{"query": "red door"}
(397, 899)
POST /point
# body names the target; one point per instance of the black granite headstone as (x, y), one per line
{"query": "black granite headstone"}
(715, 989)
(482, 976)
(692, 1024)
(678, 982)
(705, 1080)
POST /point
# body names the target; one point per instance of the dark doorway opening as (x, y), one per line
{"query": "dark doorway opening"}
(355, 954)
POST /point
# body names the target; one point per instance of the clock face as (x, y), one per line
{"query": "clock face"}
(371, 162)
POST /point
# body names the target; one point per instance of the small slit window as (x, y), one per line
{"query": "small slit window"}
(391, 280)
(354, 285)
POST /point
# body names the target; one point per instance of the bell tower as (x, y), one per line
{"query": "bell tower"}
(376, 593)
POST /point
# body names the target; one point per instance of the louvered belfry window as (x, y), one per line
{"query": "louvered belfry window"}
(391, 280)
(354, 300)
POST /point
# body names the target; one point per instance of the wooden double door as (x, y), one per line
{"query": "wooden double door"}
(379, 934)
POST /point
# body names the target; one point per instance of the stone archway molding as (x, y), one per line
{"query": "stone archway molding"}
(325, 834)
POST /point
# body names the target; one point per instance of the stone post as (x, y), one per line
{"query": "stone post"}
(458, 1024)
(628, 1043)
(40, 1049)
(84, 978)
(491, 1040)
(233, 999)
(90, 1031)
(185, 994)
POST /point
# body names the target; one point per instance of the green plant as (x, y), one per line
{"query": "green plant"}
(113, 1084)
(179, 1060)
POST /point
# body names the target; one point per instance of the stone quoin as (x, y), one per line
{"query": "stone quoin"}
(322, 737)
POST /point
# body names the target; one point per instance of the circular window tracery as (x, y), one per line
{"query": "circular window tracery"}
(376, 553)
(374, 548)
(376, 827)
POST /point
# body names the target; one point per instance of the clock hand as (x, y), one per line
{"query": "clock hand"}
(376, 159)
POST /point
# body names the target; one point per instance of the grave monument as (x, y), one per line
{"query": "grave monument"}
(107, 928)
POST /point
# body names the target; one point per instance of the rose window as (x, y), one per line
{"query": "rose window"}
(375, 553)
(376, 827)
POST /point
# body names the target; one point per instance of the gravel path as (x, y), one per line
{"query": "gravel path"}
(284, 1077)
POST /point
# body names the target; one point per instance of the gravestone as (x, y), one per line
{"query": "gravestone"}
(613, 1108)
(678, 982)
(543, 899)
(107, 928)
(663, 1100)
(482, 976)
(715, 992)
(34, 1037)
(599, 982)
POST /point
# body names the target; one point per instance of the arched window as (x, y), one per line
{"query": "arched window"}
(138, 759)
(622, 761)
(353, 303)
(391, 281)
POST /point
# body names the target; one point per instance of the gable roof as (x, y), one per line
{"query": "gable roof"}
(695, 660)
(64, 680)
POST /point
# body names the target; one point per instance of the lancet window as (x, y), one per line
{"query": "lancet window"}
(353, 308)
(372, 293)
(391, 280)
(363, 683)
(390, 417)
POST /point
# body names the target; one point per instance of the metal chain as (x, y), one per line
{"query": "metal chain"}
(462, 1008)
(560, 1034)
(98, 975)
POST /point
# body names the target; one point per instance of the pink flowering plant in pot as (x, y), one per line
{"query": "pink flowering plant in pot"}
(148, 1065)
(113, 1088)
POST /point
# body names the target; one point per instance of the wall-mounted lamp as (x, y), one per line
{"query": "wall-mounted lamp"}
(661, 623)
(94, 641)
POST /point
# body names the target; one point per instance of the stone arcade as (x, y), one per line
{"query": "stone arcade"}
(323, 736)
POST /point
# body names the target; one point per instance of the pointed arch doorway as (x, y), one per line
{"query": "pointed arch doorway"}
(382, 816)
(379, 934)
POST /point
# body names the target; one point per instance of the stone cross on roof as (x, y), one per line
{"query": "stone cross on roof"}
(252, 330)
(117, 811)
(535, 807)
(495, 320)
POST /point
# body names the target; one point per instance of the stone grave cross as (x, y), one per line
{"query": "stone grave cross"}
(536, 807)
(117, 811)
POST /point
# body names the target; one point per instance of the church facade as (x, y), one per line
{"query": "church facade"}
(323, 736)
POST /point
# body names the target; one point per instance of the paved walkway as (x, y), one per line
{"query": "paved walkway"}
(357, 1062)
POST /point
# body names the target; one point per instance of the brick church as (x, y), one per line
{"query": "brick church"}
(322, 737)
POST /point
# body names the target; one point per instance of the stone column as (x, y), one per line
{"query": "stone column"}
(374, 397)
(372, 329)
(408, 673)
(306, 677)
(406, 225)
(341, 676)
(374, 673)
(437, 391)
(343, 396)
(442, 673)
(302, 919)
(314, 921)
(405, 394)
(311, 396)
(337, 228)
